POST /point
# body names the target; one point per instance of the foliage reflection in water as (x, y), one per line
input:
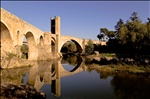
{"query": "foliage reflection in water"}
(57, 81)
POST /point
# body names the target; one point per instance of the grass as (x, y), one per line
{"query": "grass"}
(108, 54)
(120, 68)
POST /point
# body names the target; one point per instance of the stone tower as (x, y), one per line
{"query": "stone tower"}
(55, 29)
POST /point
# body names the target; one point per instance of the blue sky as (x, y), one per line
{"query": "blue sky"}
(81, 19)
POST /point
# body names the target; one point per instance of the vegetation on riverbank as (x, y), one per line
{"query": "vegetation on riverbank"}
(109, 64)
(120, 68)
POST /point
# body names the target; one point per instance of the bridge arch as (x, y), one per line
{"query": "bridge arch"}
(41, 41)
(32, 53)
(78, 45)
(53, 45)
(6, 41)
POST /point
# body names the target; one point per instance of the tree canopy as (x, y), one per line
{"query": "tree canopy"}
(131, 37)
(89, 48)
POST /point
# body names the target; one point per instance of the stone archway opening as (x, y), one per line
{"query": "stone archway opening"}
(6, 42)
(53, 46)
(79, 49)
(41, 41)
(32, 50)
(24, 48)
(71, 46)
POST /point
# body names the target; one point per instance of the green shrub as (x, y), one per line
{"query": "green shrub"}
(89, 48)
(23, 56)
(24, 48)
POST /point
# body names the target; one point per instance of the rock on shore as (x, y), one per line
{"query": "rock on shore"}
(10, 91)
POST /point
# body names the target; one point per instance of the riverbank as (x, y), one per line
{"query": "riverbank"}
(113, 69)
(15, 62)
(109, 58)
(110, 63)
(11, 91)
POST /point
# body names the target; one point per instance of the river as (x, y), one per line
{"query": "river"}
(70, 80)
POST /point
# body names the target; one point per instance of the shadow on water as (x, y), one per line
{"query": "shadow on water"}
(50, 77)
(131, 86)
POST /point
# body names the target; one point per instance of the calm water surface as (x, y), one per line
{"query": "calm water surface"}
(66, 81)
(84, 85)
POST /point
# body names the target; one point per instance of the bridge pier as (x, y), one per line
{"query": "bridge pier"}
(32, 55)
(47, 41)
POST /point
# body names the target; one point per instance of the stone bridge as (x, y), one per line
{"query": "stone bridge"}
(42, 45)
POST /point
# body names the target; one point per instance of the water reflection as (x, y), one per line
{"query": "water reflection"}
(131, 86)
(71, 59)
(51, 73)
(45, 73)
(74, 61)
(55, 80)
(13, 76)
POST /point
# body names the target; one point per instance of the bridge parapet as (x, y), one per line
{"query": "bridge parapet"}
(12, 21)
(13, 33)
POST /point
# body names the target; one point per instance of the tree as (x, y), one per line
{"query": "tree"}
(134, 37)
(100, 36)
(134, 17)
(89, 47)
(122, 34)
(64, 48)
(72, 47)
(148, 25)
(148, 20)
(111, 34)
(106, 32)
(24, 49)
(118, 26)
(131, 38)
(69, 47)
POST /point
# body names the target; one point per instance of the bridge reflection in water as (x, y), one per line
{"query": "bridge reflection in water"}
(51, 73)
(43, 73)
